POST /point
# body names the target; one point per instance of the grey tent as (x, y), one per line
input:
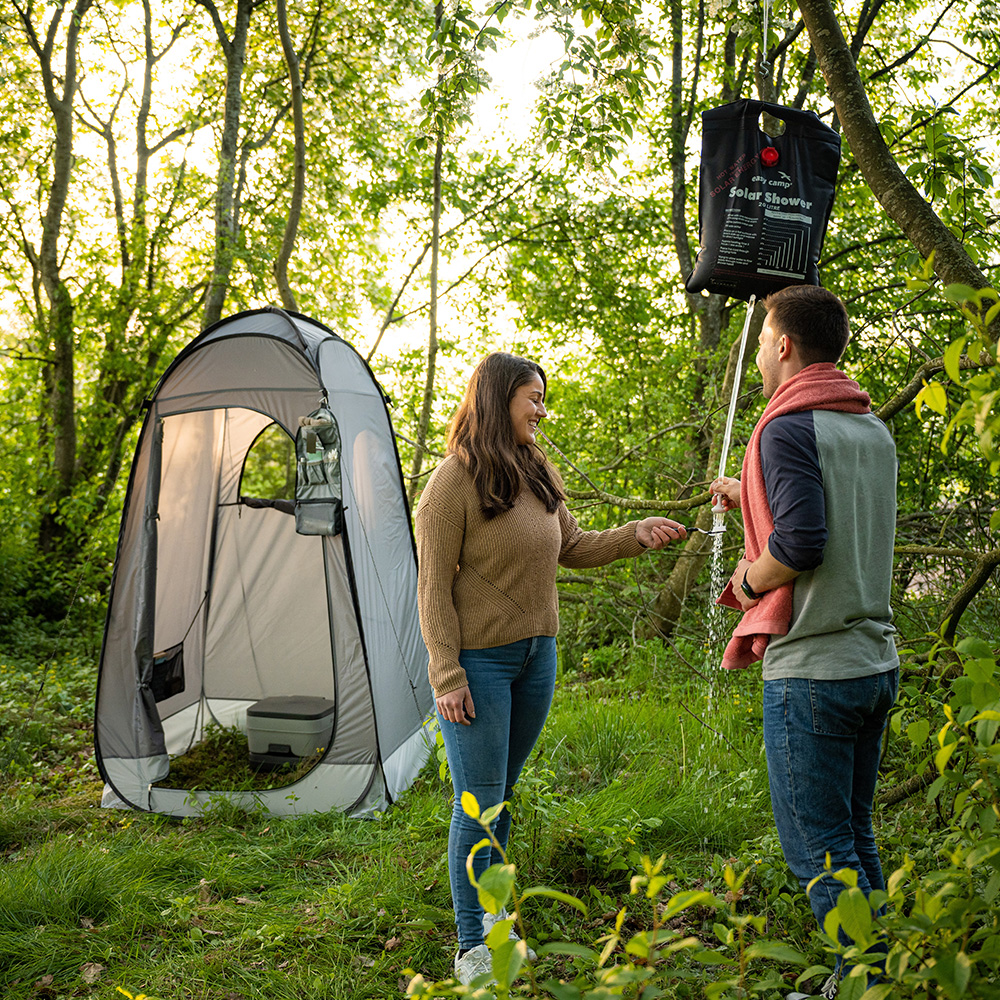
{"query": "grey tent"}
(221, 600)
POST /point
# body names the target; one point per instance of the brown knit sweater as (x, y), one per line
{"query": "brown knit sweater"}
(490, 582)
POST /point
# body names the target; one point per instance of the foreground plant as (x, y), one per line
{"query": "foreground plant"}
(600, 971)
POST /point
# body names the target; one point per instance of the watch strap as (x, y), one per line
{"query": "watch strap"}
(747, 589)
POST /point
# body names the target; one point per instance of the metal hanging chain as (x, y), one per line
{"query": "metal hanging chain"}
(765, 66)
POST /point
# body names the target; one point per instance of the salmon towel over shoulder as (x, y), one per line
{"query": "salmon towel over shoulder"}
(818, 387)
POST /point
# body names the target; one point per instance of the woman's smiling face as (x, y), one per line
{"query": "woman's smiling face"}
(527, 408)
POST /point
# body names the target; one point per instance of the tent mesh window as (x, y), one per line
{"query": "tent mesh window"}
(269, 467)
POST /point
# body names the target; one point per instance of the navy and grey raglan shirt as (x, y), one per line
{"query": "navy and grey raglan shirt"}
(831, 486)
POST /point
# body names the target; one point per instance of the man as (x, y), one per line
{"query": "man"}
(818, 495)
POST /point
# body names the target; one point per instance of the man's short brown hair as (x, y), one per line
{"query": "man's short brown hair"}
(813, 318)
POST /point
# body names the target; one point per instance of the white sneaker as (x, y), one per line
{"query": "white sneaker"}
(473, 964)
(489, 919)
(826, 992)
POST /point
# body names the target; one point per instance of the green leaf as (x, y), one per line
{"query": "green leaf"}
(953, 972)
(896, 722)
(569, 948)
(507, 961)
(935, 789)
(952, 357)
(777, 952)
(692, 897)
(708, 956)
(995, 520)
(943, 755)
(973, 645)
(982, 853)
(959, 293)
(638, 946)
(848, 876)
(878, 992)
(499, 933)
(934, 397)
(491, 814)
(855, 915)
(495, 886)
(918, 731)
(723, 933)
(719, 989)
(563, 897)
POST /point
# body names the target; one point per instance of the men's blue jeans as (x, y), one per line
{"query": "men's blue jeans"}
(823, 741)
(511, 690)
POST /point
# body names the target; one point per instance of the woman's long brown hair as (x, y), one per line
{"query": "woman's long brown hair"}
(482, 436)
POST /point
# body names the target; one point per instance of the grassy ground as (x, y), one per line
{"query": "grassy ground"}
(651, 760)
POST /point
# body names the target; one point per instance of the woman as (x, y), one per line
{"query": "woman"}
(492, 527)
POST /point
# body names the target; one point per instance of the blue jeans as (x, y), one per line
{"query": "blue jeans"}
(823, 741)
(511, 690)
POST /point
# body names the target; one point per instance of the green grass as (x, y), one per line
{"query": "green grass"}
(645, 759)
(236, 905)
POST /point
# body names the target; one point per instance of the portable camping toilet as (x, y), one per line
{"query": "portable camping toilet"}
(224, 597)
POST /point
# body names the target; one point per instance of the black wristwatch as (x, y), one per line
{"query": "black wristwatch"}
(747, 589)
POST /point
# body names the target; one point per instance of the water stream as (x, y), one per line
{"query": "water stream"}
(716, 614)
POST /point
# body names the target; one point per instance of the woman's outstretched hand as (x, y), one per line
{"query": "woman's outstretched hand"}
(456, 706)
(655, 532)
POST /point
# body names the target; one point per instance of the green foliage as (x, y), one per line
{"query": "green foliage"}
(979, 406)
(568, 245)
(939, 930)
(595, 976)
(320, 905)
(942, 927)
(269, 468)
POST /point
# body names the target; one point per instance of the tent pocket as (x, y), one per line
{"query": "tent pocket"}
(319, 517)
(319, 507)
(168, 673)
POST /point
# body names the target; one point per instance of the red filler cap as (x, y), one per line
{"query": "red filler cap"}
(769, 156)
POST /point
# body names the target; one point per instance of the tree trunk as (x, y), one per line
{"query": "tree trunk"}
(420, 445)
(55, 325)
(226, 206)
(295, 208)
(900, 199)
(127, 370)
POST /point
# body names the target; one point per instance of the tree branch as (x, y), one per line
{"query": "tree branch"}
(895, 192)
(907, 56)
(909, 391)
(640, 503)
(978, 578)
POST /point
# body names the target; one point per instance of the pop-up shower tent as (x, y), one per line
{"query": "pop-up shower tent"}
(229, 589)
